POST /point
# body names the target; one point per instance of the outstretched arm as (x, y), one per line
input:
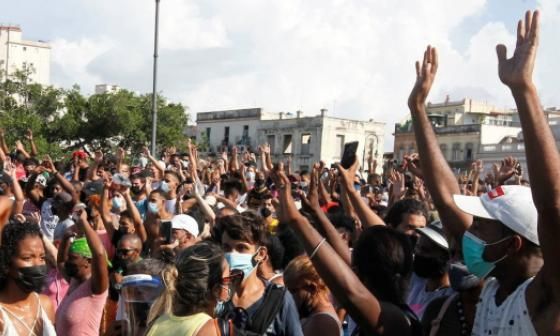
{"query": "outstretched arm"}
(99, 271)
(365, 214)
(542, 155)
(439, 177)
(363, 306)
(29, 137)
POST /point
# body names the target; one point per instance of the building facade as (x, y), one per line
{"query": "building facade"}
(106, 88)
(461, 127)
(18, 54)
(305, 139)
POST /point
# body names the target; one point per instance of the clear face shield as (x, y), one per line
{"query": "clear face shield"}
(138, 293)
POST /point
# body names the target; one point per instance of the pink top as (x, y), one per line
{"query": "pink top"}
(80, 311)
(106, 241)
(56, 288)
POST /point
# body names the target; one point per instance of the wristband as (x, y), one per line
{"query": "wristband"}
(317, 248)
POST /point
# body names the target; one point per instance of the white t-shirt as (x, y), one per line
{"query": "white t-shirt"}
(48, 220)
(511, 318)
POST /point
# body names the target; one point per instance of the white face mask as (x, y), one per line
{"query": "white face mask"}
(250, 176)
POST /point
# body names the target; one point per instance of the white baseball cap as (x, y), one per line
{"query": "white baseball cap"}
(434, 231)
(510, 204)
(185, 222)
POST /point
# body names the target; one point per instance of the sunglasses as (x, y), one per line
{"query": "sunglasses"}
(124, 251)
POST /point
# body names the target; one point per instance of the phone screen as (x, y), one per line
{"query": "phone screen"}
(349, 155)
(165, 231)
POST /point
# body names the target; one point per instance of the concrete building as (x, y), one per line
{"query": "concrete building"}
(461, 128)
(106, 88)
(18, 54)
(305, 139)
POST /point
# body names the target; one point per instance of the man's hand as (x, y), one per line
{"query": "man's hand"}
(98, 156)
(311, 201)
(517, 71)
(146, 150)
(49, 165)
(398, 181)
(507, 170)
(425, 75)
(29, 134)
(347, 175)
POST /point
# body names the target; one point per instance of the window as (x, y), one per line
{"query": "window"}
(24, 48)
(271, 140)
(226, 136)
(303, 169)
(287, 147)
(339, 145)
(246, 131)
(208, 129)
(456, 152)
(305, 141)
(469, 152)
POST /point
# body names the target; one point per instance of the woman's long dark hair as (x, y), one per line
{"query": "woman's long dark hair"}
(382, 258)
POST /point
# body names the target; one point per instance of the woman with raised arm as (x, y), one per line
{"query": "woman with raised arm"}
(382, 258)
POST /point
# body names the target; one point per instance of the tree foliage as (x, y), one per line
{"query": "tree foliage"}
(65, 119)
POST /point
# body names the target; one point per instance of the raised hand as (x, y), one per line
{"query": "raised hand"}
(120, 153)
(146, 150)
(507, 169)
(48, 164)
(347, 175)
(517, 71)
(478, 167)
(425, 75)
(398, 181)
(29, 134)
(311, 201)
(98, 156)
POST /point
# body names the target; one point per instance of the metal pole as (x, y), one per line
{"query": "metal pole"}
(154, 88)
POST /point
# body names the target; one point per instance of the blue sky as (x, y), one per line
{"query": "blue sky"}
(354, 57)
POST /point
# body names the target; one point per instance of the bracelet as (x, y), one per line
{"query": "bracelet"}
(317, 248)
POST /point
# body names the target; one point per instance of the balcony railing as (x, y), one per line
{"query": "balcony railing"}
(473, 128)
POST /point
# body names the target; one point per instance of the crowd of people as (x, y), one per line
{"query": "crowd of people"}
(191, 244)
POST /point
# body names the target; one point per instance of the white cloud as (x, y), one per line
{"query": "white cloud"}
(356, 56)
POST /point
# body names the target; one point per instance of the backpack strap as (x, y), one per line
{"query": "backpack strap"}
(273, 300)
(437, 321)
(415, 324)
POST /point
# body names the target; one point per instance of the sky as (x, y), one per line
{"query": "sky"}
(353, 57)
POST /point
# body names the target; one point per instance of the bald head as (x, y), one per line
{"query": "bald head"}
(132, 240)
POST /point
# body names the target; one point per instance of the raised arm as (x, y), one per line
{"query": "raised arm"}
(542, 155)
(99, 271)
(136, 217)
(234, 163)
(64, 183)
(120, 158)
(104, 210)
(439, 177)
(21, 149)
(3, 143)
(92, 170)
(18, 192)
(364, 308)
(154, 161)
(365, 214)
(324, 225)
(29, 137)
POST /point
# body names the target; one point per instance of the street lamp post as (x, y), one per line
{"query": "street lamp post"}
(154, 82)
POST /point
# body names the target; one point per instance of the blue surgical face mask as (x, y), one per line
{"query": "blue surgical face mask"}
(473, 250)
(117, 203)
(241, 261)
(153, 208)
(221, 304)
(164, 187)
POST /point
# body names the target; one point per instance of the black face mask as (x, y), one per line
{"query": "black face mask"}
(32, 279)
(70, 269)
(135, 189)
(413, 239)
(259, 182)
(265, 212)
(429, 267)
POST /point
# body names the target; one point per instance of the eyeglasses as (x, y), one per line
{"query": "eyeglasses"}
(124, 251)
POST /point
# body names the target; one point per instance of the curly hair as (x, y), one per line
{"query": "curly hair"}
(199, 269)
(12, 235)
(248, 226)
(403, 207)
